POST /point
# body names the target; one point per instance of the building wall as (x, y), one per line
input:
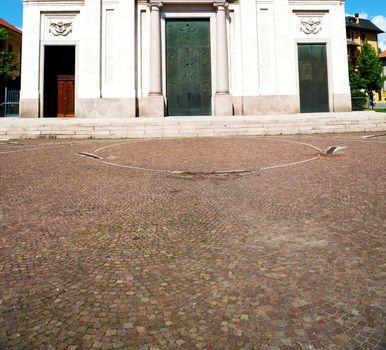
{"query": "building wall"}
(112, 40)
(360, 36)
(383, 93)
(105, 69)
(380, 97)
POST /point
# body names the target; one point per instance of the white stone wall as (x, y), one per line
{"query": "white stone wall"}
(29, 94)
(37, 33)
(106, 74)
(105, 61)
(113, 50)
(333, 33)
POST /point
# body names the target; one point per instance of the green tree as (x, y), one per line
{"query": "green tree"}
(354, 78)
(7, 59)
(370, 70)
(358, 96)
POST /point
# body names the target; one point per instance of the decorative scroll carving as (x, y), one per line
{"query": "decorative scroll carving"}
(60, 28)
(311, 26)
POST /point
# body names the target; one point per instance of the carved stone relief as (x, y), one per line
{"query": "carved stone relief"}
(60, 27)
(311, 25)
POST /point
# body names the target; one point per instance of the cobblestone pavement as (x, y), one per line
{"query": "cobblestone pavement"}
(96, 254)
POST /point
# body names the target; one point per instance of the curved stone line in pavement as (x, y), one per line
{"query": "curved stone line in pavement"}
(216, 172)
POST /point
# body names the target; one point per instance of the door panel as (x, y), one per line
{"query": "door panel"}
(61, 102)
(66, 92)
(313, 78)
(188, 67)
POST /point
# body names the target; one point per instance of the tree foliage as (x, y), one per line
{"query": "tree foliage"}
(359, 99)
(354, 78)
(370, 70)
(7, 59)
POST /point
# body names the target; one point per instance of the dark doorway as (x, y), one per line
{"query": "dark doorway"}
(313, 78)
(59, 81)
(188, 67)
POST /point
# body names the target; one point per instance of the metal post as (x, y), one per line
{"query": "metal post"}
(5, 102)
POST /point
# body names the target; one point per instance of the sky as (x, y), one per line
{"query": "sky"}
(375, 10)
(11, 11)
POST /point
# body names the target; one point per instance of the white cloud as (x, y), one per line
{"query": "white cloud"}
(380, 22)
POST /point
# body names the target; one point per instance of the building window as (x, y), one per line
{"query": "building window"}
(363, 37)
(10, 47)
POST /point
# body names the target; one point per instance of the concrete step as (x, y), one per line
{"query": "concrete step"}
(193, 126)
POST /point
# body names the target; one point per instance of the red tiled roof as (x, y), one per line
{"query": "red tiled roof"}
(382, 54)
(9, 26)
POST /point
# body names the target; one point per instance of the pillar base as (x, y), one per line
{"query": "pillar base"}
(153, 106)
(29, 108)
(223, 105)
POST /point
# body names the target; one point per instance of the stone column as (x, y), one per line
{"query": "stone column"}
(155, 101)
(223, 102)
(155, 87)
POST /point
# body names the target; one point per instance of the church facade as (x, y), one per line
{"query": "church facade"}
(145, 58)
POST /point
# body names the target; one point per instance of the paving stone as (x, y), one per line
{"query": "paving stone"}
(134, 255)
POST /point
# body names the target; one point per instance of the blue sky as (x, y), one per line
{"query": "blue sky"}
(370, 7)
(11, 11)
(375, 10)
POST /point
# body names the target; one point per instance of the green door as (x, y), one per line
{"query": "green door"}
(313, 80)
(188, 67)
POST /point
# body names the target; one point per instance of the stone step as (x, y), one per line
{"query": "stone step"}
(193, 126)
(101, 126)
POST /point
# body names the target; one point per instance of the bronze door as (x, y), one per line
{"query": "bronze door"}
(188, 67)
(313, 78)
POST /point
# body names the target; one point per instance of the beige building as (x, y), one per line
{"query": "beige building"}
(357, 31)
(144, 58)
(382, 96)
(13, 44)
